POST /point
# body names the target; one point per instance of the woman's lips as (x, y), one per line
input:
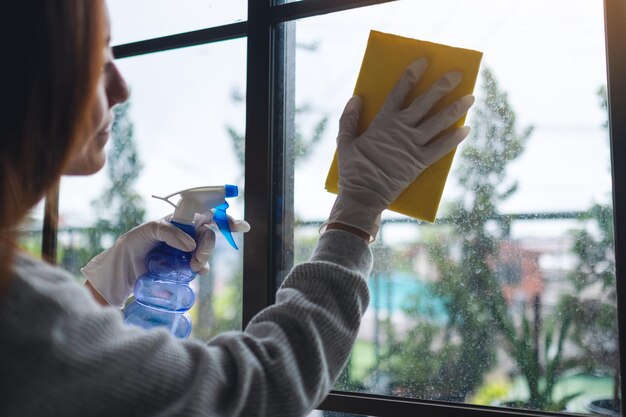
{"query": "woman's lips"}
(103, 135)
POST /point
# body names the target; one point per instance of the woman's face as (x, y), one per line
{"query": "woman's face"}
(112, 90)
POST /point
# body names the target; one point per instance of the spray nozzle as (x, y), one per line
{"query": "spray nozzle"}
(230, 191)
(202, 200)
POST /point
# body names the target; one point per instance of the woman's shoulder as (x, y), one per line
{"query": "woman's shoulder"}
(36, 282)
(38, 273)
(24, 264)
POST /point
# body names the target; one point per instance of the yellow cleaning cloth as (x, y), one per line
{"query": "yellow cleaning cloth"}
(386, 58)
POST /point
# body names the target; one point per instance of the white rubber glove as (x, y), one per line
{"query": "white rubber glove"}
(376, 167)
(113, 272)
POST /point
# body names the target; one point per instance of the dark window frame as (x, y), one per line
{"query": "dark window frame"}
(269, 91)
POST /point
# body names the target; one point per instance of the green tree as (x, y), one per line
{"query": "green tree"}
(593, 303)
(303, 143)
(449, 362)
(533, 342)
(120, 207)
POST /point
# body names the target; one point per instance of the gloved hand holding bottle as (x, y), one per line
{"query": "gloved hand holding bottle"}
(400, 143)
(113, 272)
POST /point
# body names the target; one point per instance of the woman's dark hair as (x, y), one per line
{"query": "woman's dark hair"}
(52, 60)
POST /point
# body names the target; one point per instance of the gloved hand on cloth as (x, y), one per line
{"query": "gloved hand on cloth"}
(400, 143)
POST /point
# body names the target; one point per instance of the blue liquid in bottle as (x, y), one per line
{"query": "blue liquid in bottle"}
(163, 294)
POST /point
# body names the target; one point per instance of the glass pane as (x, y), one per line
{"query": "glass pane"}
(515, 311)
(181, 128)
(30, 231)
(138, 20)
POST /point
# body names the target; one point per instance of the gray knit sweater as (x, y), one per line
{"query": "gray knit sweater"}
(63, 355)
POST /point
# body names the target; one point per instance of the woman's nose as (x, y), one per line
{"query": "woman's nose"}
(116, 88)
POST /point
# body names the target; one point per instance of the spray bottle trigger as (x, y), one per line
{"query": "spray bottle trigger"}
(221, 220)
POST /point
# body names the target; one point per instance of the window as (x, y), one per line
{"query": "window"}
(31, 231)
(509, 299)
(170, 135)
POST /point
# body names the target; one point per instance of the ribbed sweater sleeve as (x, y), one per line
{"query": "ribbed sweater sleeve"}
(63, 355)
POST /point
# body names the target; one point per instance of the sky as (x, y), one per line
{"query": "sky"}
(548, 55)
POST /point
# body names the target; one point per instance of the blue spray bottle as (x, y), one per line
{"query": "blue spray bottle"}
(163, 294)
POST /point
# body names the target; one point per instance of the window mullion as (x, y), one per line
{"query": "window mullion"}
(258, 247)
(615, 16)
(300, 9)
(181, 40)
(50, 225)
(283, 139)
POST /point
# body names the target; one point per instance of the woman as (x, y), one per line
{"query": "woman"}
(64, 354)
